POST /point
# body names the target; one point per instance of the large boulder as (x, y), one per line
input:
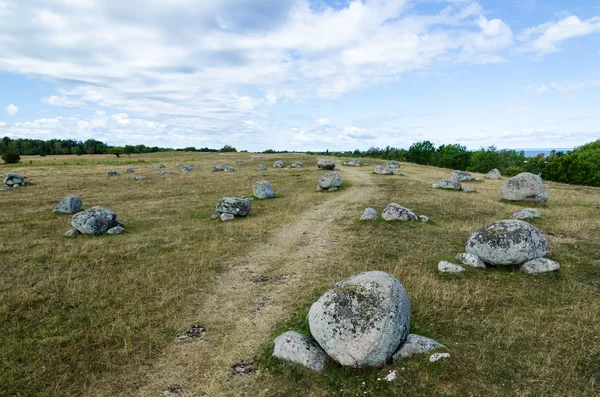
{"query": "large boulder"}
(508, 242)
(525, 187)
(461, 176)
(325, 164)
(393, 164)
(396, 212)
(278, 164)
(362, 320)
(493, 174)
(449, 184)
(263, 190)
(331, 180)
(13, 179)
(233, 205)
(95, 220)
(297, 348)
(69, 205)
(381, 170)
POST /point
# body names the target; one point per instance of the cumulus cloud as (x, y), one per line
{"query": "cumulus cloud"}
(62, 102)
(563, 88)
(11, 110)
(548, 37)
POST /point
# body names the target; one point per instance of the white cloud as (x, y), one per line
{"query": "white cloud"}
(563, 88)
(11, 110)
(62, 102)
(323, 121)
(2, 124)
(548, 37)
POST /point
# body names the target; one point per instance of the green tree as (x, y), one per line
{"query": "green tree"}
(420, 152)
(11, 157)
(227, 148)
(117, 151)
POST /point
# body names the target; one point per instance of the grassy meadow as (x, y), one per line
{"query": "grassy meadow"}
(101, 315)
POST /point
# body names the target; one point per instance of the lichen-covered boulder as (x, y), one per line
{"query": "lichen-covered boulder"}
(69, 205)
(13, 179)
(526, 213)
(525, 187)
(508, 242)
(297, 348)
(261, 167)
(369, 214)
(493, 174)
(449, 184)
(540, 266)
(278, 164)
(325, 164)
(396, 212)
(263, 190)
(415, 344)
(461, 176)
(381, 170)
(362, 320)
(328, 181)
(233, 205)
(95, 220)
(393, 164)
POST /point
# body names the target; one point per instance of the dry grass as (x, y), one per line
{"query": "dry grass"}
(98, 316)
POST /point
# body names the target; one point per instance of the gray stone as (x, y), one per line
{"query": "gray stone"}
(461, 176)
(178, 165)
(94, 220)
(394, 164)
(188, 168)
(129, 170)
(297, 348)
(13, 179)
(525, 187)
(362, 320)
(165, 172)
(470, 260)
(218, 169)
(415, 344)
(493, 174)
(369, 214)
(539, 266)
(396, 212)
(468, 189)
(330, 180)
(160, 166)
(447, 267)
(115, 230)
(435, 186)
(72, 232)
(263, 190)
(278, 164)
(215, 215)
(69, 205)
(261, 167)
(423, 218)
(508, 242)
(526, 213)
(354, 162)
(227, 217)
(325, 164)
(229, 169)
(27, 183)
(240, 162)
(449, 184)
(297, 164)
(139, 177)
(16, 185)
(112, 173)
(381, 170)
(234, 206)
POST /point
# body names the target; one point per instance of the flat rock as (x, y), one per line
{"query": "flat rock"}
(227, 217)
(369, 214)
(294, 347)
(354, 163)
(540, 266)
(115, 230)
(447, 267)
(165, 172)
(218, 169)
(297, 164)
(112, 173)
(461, 176)
(94, 220)
(449, 184)
(234, 206)
(396, 212)
(140, 177)
(263, 190)
(526, 187)
(381, 170)
(470, 260)
(129, 170)
(468, 189)
(526, 213)
(158, 166)
(69, 205)
(229, 169)
(415, 344)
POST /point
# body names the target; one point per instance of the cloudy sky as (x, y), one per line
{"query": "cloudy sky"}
(302, 74)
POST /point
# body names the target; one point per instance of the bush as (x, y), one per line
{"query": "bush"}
(11, 157)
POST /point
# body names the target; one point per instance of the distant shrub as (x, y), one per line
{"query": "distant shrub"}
(11, 157)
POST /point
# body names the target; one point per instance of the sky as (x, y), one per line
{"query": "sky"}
(302, 74)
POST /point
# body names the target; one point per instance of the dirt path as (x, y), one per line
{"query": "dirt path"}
(252, 296)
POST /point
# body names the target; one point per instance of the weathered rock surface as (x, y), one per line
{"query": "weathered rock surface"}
(449, 184)
(493, 174)
(415, 344)
(526, 213)
(278, 164)
(95, 220)
(508, 242)
(140, 177)
(69, 205)
(354, 162)
(13, 179)
(227, 217)
(112, 173)
(158, 166)
(261, 167)
(297, 164)
(188, 168)
(461, 176)
(328, 181)
(369, 214)
(297, 348)
(423, 218)
(165, 172)
(447, 267)
(525, 187)
(325, 164)
(381, 170)
(263, 190)
(396, 212)
(115, 230)
(234, 206)
(229, 169)
(539, 266)
(470, 260)
(218, 169)
(362, 320)
(394, 164)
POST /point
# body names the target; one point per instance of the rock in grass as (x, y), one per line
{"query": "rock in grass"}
(393, 164)
(159, 166)
(263, 190)
(325, 164)
(362, 320)
(369, 214)
(69, 205)
(13, 179)
(261, 167)
(241, 162)
(415, 344)
(381, 170)
(539, 266)
(470, 260)
(278, 164)
(297, 164)
(354, 163)
(447, 267)
(525, 187)
(188, 168)
(297, 348)
(331, 180)
(526, 213)
(493, 174)
(227, 217)
(165, 172)
(112, 173)
(508, 242)
(129, 170)
(229, 169)
(396, 212)
(140, 177)
(95, 220)
(461, 176)
(72, 232)
(423, 218)
(435, 186)
(234, 206)
(218, 169)
(449, 184)
(115, 230)
(468, 189)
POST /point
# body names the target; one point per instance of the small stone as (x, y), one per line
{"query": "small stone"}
(215, 215)
(159, 166)
(540, 266)
(227, 217)
(112, 173)
(218, 169)
(278, 164)
(369, 214)
(423, 218)
(381, 170)
(229, 169)
(164, 172)
(13, 179)
(129, 170)
(449, 184)
(297, 348)
(16, 185)
(115, 230)
(240, 162)
(69, 205)
(468, 189)
(435, 186)
(261, 167)
(461, 176)
(396, 212)
(438, 356)
(139, 177)
(297, 164)
(393, 164)
(447, 267)
(526, 213)
(470, 260)
(72, 232)
(415, 344)
(27, 183)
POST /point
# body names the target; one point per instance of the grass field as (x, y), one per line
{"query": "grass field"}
(101, 315)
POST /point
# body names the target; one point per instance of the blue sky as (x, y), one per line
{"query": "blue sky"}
(302, 75)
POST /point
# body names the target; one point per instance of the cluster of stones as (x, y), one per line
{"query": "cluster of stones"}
(329, 182)
(95, 220)
(325, 164)
(362, 321)
(509, 242)
(225, 168)
(392, 212)
(13, 181)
